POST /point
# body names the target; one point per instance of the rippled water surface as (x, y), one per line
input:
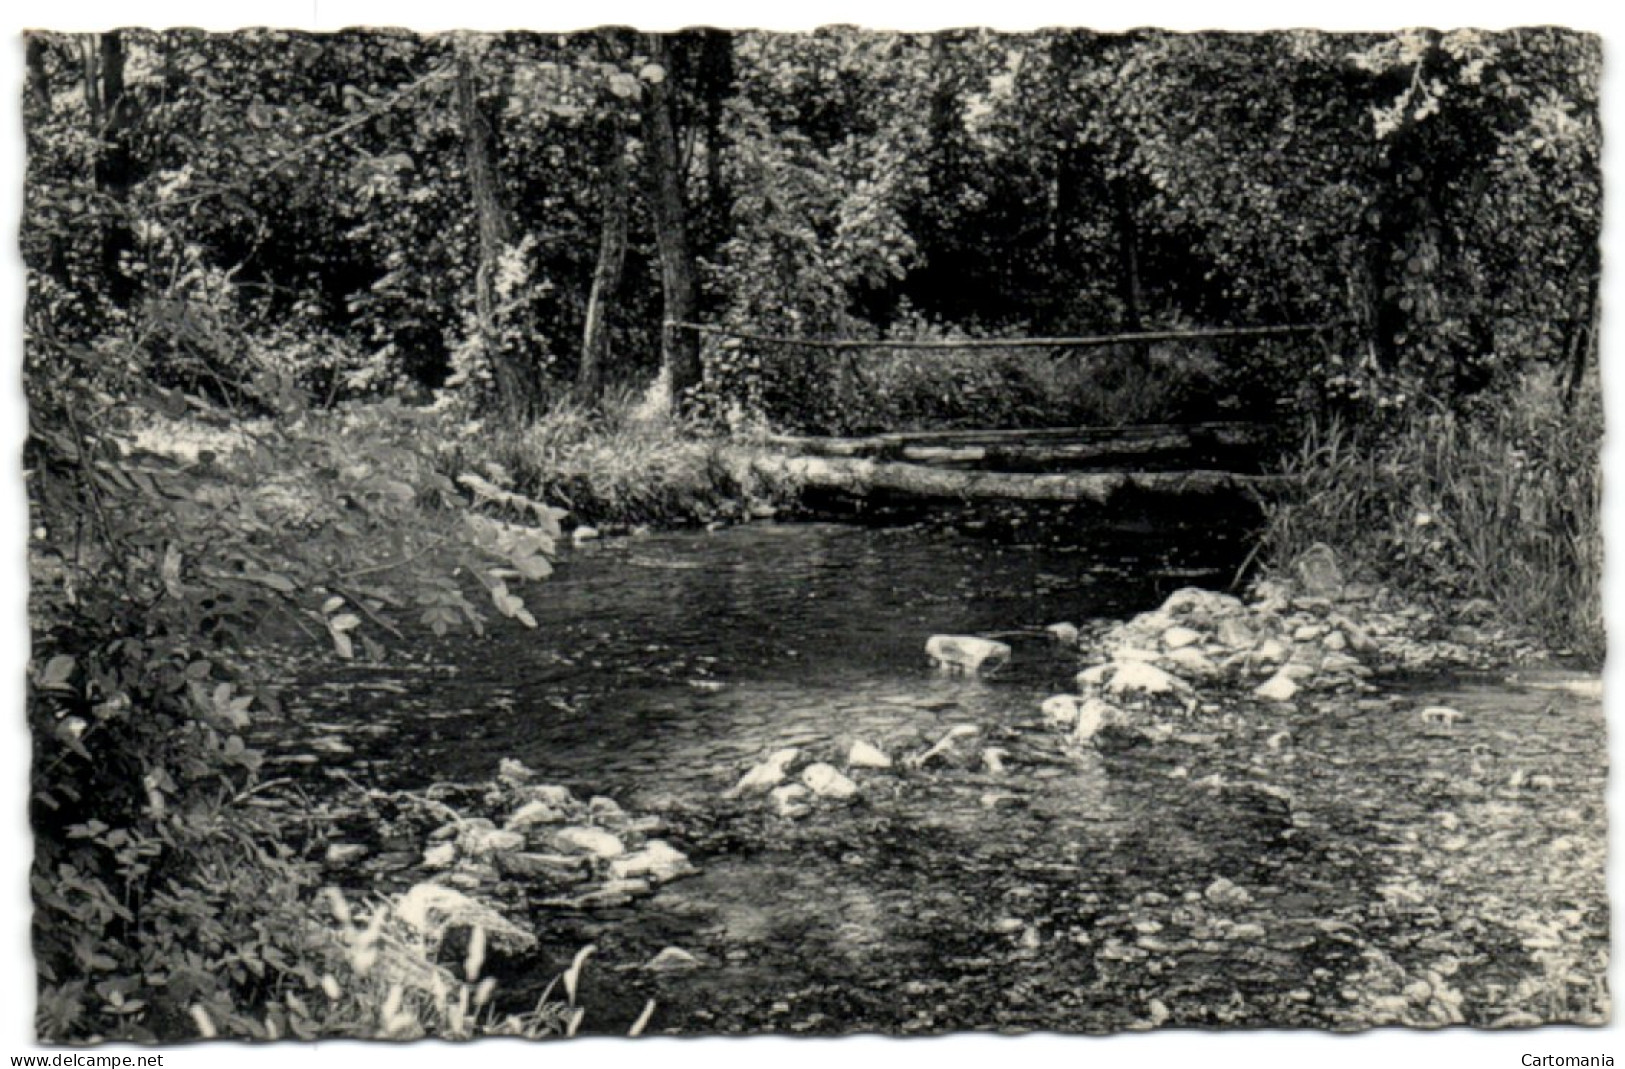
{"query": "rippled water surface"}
(1368, 850)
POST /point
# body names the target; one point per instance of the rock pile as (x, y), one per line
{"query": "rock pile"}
(532, 840)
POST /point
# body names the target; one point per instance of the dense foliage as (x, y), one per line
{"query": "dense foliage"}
(282, 244)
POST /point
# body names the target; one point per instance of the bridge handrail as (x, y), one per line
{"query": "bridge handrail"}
(1139, 337)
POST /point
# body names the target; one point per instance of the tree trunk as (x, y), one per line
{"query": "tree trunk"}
(1128, 258)
(112, 116)
(680, 349)
(917, 480)
(1582, 341)
(512, 385)
(717, 85)
(606, 276)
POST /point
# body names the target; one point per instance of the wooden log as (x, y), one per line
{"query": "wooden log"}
(1065, 441)
(862, 477)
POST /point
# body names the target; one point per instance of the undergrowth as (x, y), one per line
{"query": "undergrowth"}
(1501, 502)
(617, 463)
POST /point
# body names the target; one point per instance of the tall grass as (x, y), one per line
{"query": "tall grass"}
(1502, 504)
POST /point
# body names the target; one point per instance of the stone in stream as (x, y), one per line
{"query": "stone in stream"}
(514, 773)
(341, 854)
(790, 800)
(584, 533)
(765, 776)
(1093, 715)
(1201, 607)
(552, 794)
(440, 856)
(1278, 688)
(1234, 632)
(657, 861)
(993, 760)
(584, 840)
(826, 781)
(533, 813)
(967, 653)
(1061, 711)
(554, 868)
(944, 744)
(1065, 634)
(1179, 637)
(863, 755)
(482, 842)
(1147, 680)
(672, 959)
(1192, 662)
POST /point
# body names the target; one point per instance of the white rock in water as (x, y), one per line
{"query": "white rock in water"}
(514, 773)
(1190, 661)
(1065, 634)
(967, 653)
(672, 959)
(1234, 633)
(439, 856)
(790, 800)
(1272, 650)
(1277, 688)
(658, 860)
(553, 794)
(1092, 716)
(481, 842)
(993, 759)
(863, 755)
(1204, 606)
(1137, 677)
(827, 781)
(581, 839)
(584, 533)
(767, 775)
(1061, 710)
(1178, 637)
(532, 813)
(1095, 676)
(1440, 714)
(345, 853)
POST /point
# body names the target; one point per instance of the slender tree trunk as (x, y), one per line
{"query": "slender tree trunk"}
(112, 116)
(1128, 259)
(717, 85)
(606, 276)
(512, 385)
(680, 349)
(1582, 340)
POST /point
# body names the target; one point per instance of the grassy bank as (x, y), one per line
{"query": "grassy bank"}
(1501, 504)
(620, 464)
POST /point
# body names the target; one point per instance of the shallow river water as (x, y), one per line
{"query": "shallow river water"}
(1333, 865)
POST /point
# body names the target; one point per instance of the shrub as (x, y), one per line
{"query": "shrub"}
(1499, 502)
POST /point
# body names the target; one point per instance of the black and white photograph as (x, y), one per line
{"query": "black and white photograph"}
(693, 528)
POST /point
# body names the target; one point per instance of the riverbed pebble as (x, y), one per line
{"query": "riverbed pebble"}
(967, 653)
(866, 755)
(657, 861)
(766, 775)
(581, 839)
(826, 781)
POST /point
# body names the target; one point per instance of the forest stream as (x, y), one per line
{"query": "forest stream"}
(1334, 863)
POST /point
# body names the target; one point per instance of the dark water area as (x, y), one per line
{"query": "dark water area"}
(1338, 864)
